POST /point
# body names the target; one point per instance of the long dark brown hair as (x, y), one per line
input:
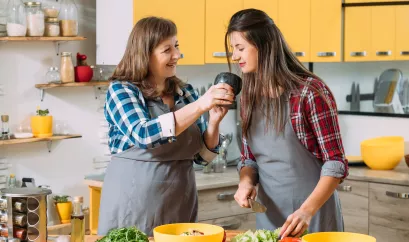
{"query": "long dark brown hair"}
(279, 72)
(146, 35)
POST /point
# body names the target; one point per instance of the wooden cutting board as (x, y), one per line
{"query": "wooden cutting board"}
(229, 234)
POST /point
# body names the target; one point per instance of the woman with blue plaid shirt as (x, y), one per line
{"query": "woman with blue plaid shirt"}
(156, 132)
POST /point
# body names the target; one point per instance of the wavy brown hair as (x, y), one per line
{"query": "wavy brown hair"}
(279, 72)
(146, 35)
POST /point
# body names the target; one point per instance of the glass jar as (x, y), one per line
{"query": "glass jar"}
(67, 68)
(68, 18)
(53, 75)
(51, 8)
(52, 27)
(3, 17)
(35, 19)
(16, 20)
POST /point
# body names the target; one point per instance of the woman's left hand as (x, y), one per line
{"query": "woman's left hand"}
(217, 113)
(296, 224)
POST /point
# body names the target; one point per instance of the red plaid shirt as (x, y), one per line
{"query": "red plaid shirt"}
(319, 131)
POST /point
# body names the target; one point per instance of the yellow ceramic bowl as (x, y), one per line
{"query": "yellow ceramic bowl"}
(383, 153)
(337, 237)
(171, 233)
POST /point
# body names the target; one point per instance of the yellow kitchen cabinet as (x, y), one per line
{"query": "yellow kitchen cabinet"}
(294, 22)
(357, 34)
(268, 6)
(218, 14)
(402, 33)
(94, 201)
(326, 30)
(372, 1)
(383, 33)
(189, 17)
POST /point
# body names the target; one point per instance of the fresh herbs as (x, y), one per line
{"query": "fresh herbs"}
(130, 234)
(42, 112)
(261, 235)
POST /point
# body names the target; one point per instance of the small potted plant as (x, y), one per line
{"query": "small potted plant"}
(64, 207)
(42, 124)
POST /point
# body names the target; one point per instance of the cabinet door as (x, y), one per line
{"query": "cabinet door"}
(242, 222)
(268, 6)
(388, 212)
(189, 17)
(114, 24)
(218, 14)
(326, 30)
(357, 35)
(294, 23)
(354, 203)
(383, 33)
(402, 33)
(372, 1)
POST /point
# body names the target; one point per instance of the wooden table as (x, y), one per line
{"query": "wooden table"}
(229, 234)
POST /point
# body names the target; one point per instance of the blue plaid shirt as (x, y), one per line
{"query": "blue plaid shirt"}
(130, 123)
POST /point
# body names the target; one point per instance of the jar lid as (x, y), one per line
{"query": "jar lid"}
(65, 53)
(78, 199)
(33, 4)
(24, 192)
(53, 68)
(4, 118)
(51, 20)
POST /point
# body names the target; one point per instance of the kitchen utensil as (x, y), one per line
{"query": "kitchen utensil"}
(256, 206)
(337, 237)
(232, 79)
(172, 232)
(387, 95)
(383, 153)
(34, 218)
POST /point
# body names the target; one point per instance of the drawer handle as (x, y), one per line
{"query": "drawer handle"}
(231, 225)
(345, 188)
(397, 195)
(225, 196)
(299, 54)
(384, 53)
(326, 54)
(404, 52)
(220, 54)
(358, 53)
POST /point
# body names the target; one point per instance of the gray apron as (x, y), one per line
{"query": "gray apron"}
(288, 173)
(150, 187)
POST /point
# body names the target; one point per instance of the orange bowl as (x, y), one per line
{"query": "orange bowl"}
(337, 237)
(172, 233)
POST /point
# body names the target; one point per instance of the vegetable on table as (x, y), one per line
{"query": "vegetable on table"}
(130, 234)
(263, 235)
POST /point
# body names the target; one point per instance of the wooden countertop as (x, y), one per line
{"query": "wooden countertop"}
(398, 176)
(229, 235)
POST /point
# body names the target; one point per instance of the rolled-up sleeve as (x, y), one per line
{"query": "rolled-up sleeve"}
(247, 158)
(323, 119)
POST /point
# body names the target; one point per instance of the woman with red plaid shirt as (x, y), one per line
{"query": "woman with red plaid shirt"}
(292, 147)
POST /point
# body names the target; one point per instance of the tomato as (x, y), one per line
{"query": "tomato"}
(289, 239)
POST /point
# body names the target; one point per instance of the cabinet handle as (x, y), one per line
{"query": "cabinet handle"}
(406, 52)
(358, 53)
(384, 53)
(326, 54)
(397, 195)
(225, 196)
(231, 225)
(345, 188)
(299, 54)
(220, 54)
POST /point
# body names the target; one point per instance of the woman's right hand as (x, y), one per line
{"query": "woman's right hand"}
(220, 94)
(245, 191)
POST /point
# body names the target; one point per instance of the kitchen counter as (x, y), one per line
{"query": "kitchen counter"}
(398, 176)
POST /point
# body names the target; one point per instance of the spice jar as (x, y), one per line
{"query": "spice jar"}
(52, 27)
(3, 203)
(4, 232)
(68, 18)
(20, 205)
(67, 68)
(3, 217)
(16, 20)
(20, 233)
(35, 19)
(19, 219)
(53, 75)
